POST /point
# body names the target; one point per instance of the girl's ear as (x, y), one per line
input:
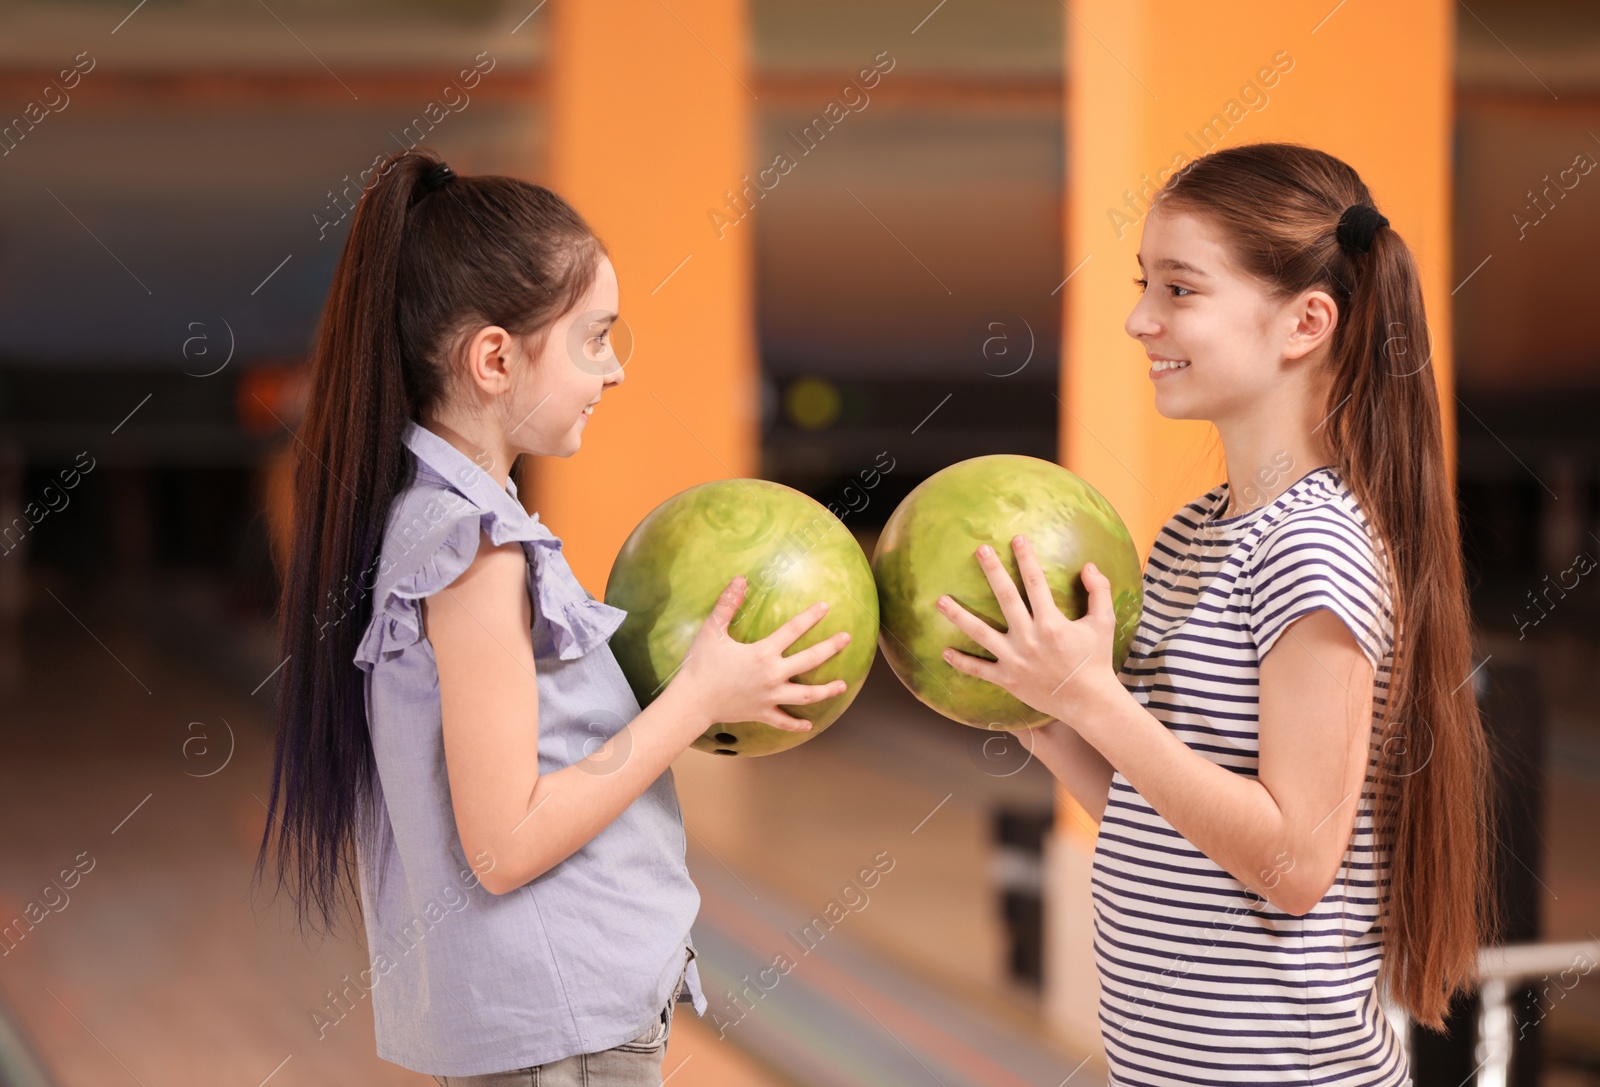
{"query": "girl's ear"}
(487, 365)
(1315, 315)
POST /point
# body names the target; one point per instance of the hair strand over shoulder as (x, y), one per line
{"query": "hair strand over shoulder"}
(423, 268)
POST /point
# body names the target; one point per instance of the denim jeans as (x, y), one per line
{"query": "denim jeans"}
(635, 1063)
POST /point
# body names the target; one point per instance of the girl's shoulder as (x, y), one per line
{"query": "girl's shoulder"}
(1315, 548)
(1319, 509)
(432, 534)
(1318, 500)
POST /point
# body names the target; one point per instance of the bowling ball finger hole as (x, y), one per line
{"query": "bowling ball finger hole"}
(726, 751)
(726, 738)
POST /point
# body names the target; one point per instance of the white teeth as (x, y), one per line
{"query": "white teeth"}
(1168, 364)
(589, 410)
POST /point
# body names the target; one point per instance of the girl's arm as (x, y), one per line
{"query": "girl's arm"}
(1076, 764)
(1283, 833)
(515, 822)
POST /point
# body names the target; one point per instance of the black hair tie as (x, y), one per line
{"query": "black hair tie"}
(437, 177)
(1357, 226)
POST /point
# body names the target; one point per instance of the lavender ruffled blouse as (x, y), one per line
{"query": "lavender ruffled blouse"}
(581, 959)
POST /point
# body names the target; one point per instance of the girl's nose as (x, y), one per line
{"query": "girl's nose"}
(1139, 322)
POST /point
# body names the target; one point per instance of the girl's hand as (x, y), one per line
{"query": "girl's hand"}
(1046, 660)
(732, 681)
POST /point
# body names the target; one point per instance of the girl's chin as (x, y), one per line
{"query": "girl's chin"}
(1179, 408)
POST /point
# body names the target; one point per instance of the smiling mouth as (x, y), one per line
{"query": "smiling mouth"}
(1159, 366)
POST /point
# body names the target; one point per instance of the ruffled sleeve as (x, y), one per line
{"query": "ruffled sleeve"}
(396, 620)
(575, 622)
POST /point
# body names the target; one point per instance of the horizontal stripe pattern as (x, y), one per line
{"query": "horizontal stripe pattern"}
(1202, 981)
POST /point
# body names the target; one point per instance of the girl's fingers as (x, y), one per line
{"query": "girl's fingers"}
(1099, 587)
(790, 632)
(804, 694)
(782, 720)
(972, 626)
(1033, 579)
(1005, 590)
(727, 604)
(973, 666)
(811, 656)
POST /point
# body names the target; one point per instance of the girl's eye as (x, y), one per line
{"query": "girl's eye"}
(1142, 283)
(596, 346)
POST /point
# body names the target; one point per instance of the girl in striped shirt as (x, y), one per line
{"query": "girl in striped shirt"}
(1291, 775)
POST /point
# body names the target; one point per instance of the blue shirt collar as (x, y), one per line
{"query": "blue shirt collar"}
(578, 622)
(458, 471)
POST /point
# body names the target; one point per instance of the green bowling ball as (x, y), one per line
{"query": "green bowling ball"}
(792, 551)
(927, 549)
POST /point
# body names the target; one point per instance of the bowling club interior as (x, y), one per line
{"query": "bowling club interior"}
(849, 240)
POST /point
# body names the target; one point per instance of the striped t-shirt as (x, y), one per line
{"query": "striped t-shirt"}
(1202, 980)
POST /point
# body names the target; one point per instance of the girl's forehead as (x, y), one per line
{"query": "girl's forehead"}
(1184, 241)
(1168, 226)
(604, 288)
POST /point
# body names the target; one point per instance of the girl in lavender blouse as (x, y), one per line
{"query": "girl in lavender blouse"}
(451, 724)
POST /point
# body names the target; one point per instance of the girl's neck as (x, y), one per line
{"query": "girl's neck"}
(1279, 471)
(491, 452)
(1282, 441)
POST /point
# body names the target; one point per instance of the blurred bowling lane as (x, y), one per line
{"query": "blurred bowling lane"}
(149, 776)
(141, 759)
(850, 922)
(148, 771)
(889, 777)
(156, 963)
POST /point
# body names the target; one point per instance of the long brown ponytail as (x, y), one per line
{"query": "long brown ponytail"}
(420, 269)
(1279, 206)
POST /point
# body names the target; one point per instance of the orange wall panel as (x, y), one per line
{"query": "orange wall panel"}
(1147, 83)
(650, 114)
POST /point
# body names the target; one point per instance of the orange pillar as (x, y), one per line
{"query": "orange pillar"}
(1149, 87)
(649, 126)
